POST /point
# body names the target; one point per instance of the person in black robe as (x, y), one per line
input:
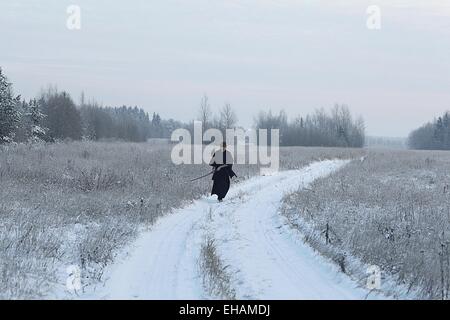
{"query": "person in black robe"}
(222, 161)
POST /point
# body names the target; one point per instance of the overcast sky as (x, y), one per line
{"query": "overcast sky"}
(255, 54)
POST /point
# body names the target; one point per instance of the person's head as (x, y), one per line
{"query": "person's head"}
(224, 145)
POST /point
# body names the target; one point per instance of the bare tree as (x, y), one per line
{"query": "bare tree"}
(228, 118)
(82, 99)
(205, 114)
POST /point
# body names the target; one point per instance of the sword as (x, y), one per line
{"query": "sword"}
(205, 175)
(208, 174)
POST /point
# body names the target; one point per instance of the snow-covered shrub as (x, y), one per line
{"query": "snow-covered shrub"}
(30, 249)
(215, 276)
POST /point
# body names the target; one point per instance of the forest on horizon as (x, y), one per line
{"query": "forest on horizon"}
(55, 116)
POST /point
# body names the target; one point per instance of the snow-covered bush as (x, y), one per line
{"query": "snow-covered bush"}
(215, 276)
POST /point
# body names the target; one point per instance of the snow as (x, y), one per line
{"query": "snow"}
(265, 257)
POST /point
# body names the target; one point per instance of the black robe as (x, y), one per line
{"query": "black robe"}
(222, 161)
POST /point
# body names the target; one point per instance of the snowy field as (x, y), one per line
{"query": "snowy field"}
(390, 209)
(138, 229)
(85, 203)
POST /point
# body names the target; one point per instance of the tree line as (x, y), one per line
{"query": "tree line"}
(336, 128)
(433, 135)
(54, 116)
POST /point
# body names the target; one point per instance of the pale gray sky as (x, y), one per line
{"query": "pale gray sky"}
(256, 54)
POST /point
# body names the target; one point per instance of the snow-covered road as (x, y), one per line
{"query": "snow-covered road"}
(266, 259)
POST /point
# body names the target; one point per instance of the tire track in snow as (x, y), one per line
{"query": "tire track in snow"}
(269, 263)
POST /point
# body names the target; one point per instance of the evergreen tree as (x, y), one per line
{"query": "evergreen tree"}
(22, 130)
(9, 113)
(38, 131)
(433, 135)
(156, 129)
